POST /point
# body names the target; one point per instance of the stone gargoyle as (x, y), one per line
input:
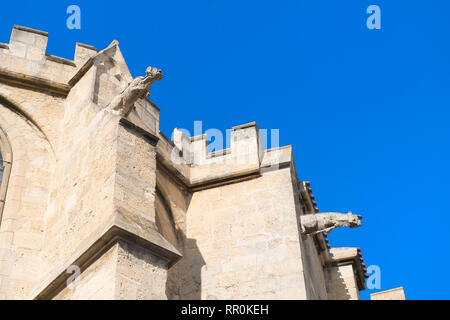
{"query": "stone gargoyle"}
(325, 222)
(137, 89)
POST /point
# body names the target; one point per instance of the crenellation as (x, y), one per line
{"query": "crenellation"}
(245, 157)
(246, 143)
(56, 59)
(83, 52)
(25, 56)
(198, 149)
(96, 185)
(392, 294)
(28, 43)
(183, 143)
(246, 147)
(219, 153)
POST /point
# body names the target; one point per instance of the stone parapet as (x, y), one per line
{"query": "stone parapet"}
(190, 161)
(24, 61)
(103, 190)
(392, 294)
(346, 273)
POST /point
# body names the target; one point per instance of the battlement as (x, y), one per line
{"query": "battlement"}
(245, 157)
(246, 146)
(343, 256)
(25, 59)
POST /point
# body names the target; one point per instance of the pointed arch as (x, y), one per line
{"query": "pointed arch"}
(5, 168)
(165, 221)
(14, 107)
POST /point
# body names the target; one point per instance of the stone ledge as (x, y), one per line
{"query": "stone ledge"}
(121, 228)
(22, 28)
(350, 256)
(181, 172)
(234, 178)
(391, 294)
(60, 60)
(151, 138)
(32, 82)
(244, 126)
(87, 46)
(81, 72)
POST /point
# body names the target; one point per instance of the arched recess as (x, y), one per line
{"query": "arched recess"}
(22, 224)
(14, 107)
(164, 220)
(5, 168)
(167, 227)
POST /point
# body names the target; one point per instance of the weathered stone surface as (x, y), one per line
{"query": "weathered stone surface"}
(392, 294)
(345, 274)
(92, 183)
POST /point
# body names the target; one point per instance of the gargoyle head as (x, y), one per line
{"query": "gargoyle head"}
(354, 220)
(154, 73)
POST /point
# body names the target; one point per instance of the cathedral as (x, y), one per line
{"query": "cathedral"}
(97, 203)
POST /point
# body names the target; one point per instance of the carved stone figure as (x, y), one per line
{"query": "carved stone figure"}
(138, 88)
(325, 222)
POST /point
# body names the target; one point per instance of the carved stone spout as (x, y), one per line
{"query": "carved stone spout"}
(137, 89)
(325, 222)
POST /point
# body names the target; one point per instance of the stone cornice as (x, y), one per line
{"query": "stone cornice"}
(150, 137)
(33, 82)
(350, 256)
(27, 29)
(81, 72)
(182, 171)
(95, 246)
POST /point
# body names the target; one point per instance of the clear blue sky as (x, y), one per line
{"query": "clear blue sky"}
(366, 111)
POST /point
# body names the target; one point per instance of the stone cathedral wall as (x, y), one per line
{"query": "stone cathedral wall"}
(140, 216)
(244, 241)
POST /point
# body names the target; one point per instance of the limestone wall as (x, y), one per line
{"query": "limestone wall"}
(315, 281)
(125, 271)
(345, 275)
(22, 224)
(78, 170)
(26, 54)
(32, 89)
(115, 197)
(342, 283)
(105, 182)
(313, 264)
(224, 250)
(243, 242)
(97, 282)
(140, 274)
(392, 294)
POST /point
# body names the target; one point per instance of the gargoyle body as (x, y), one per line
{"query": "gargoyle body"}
(325, 222)
(137, 89)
